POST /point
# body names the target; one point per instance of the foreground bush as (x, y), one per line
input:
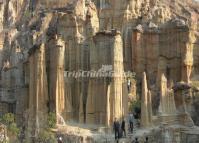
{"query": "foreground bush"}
(51, 120)
(46, 136)
(9, 120)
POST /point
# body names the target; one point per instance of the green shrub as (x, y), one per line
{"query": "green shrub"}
(46, 136)
(13, 129)
(51, 120)
(136, 107)
(27, 14)
(8, 119)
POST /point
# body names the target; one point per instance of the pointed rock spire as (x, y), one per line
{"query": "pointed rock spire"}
(144, 102)
(163, 93)
(150, 107)
(167, 102)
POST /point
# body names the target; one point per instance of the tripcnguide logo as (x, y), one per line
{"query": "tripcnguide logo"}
(104, 71)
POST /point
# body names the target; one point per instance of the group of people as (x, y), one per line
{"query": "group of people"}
(120, 128)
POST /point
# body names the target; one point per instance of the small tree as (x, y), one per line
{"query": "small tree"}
(51, 120)
(8, 119)
(136, 107)
(12, 130)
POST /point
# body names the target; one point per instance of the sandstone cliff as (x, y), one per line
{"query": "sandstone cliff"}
(41, 39)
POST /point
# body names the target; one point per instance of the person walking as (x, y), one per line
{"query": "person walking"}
(136, 140)
(147, 140)
(60, 140)
(131, 118)
(129, 85)
(116, 128)
(123, 128)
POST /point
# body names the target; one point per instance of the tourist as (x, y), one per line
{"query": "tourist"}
(60, 140)
(116, 128)
(136, 140)
(123, 128)
(120, 131)
(131, 118)
(129, 85)
(147, 140)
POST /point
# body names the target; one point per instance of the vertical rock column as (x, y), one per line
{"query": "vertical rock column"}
(144, 103)
(187, 62)
(1, 49)
(90, 105)
(38, 93)
(97, 98)
(106, 98)
(91, 27)
(57, 83)
(171, 104)
(108, 108)
(117, 81)
(138, 65)
(150, 107)
(167, 103)
(163, 94)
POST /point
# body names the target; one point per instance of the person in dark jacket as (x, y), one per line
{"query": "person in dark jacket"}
(116, 128)
(123, 128)
(147, 140)
(60, 140)
(131, 119)
(136, 140)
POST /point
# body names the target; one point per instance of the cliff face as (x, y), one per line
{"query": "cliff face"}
(40, 40)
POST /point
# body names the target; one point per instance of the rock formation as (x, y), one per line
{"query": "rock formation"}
(150, 111)
(38, 98)
(51, 54)
(144, 103)
(110, 88)
(167, 103)
(146, 109)
(57, 88)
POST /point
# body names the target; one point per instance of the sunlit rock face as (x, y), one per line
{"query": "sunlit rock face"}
(38, 98)
(107, 100)
(42, 40)
(145, 104)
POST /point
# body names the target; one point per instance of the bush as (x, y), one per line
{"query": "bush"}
(136, 108)
(13, 129)
(51, 120)
(46, 136)
(27, 14)
(8, 119)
